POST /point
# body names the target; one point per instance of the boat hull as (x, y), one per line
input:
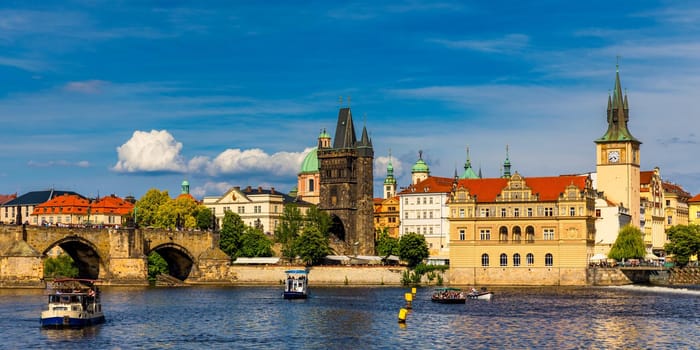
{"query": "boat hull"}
(481, 296)
(71, 322)
(294, 295)
(449, 301)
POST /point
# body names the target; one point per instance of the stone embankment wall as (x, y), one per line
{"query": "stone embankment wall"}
(321, 275)
(685, 275)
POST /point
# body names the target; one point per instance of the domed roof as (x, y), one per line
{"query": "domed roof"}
(185, 183)
(310, 163)
(420, 166)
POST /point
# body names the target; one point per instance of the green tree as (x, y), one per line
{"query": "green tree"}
(628, 245)
(147, 207)
(387, 245)
(156, 266)
(60, 266)
(254, 243)
(319, 219)
(683, 242)
(232, 228)
(312, 246)
(165, 215)
(288, 230)
(185, 209)
(413, 249)
(203, 218)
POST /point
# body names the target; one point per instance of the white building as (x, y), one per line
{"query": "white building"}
(423, 210)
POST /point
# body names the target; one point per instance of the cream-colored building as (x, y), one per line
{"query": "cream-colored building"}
(675, 205)
(523, 231)
(257, 207)
(610, 218)
(423, 210)
(694, 210)
(652, 202)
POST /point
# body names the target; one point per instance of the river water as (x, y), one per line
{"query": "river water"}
(632, 317)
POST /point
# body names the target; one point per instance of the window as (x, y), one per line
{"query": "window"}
(597, 213)
(503, 234)
(424, 200)
(241, 210)
(257, 209)
(529, 211)
(503, 212)
(548, 234)
(431, 200)
(425, 215)
(431, 215)
(406, 215)
(548, 260)
(311, 185)
(530, 234)
(485, 235)
(697, 215)
(504, 259)
(549, 211)
(516, 259)
(670, 220)
(516, 234)
(484, 260)
(668, 202)
(462, 234)
(530, 259)
(516, 212)
(405, 201)
(461, 212)
(405, 230)
(485, 212)
(431, 230)
(572, 211)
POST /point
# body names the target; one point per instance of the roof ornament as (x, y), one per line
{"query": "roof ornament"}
(340, 101)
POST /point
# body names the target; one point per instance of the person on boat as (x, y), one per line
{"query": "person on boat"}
(473, 290)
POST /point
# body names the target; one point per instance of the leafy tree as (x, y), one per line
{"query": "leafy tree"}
(185, 209)
(628, 245)
(288, 230)
(60, 266)
(320, 219)
(165, 215)
(254, 243)
(387, 245)
(147, 206)
(232, 228)
(312, 245)
(413, 249)
(203, 216)
(156, 266)
(684, 241)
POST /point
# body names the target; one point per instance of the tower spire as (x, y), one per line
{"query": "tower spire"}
(617, 114)
(506, 165)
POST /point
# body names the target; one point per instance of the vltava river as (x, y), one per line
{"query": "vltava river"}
(366, 318)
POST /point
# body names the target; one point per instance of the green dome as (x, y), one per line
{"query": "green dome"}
(310, 163)
(324, 135)
(185, 183)
(420, 167)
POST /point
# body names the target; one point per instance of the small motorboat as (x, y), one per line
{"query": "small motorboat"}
(296, 285)
(449, 296)
(482, 294)
(73, 303)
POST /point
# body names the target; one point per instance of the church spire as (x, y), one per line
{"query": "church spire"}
(390, 181)
(468, 171)
(506, 165)
(617, 115)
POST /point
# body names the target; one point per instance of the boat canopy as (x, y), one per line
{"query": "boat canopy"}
(300, 272)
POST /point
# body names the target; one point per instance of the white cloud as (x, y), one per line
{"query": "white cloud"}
(149, 152)
(62, 163)
(380, 164)
(509, 43)
(86, 87)
(234, 161)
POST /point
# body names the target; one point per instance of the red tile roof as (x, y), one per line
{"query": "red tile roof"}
(645, 177)
(65, 204)
(112, 205)
(4, 198)
(673, 188)
(433, 184)
(695, 199)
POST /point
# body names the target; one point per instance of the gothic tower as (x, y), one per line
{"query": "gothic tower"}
(390, 181)
(617, 156)
(346, 179)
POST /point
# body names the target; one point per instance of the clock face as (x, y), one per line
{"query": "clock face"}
(614, 156)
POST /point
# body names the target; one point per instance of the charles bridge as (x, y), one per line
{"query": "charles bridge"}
(114, 256)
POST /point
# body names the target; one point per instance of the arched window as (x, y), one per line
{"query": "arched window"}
(530, 234)
(548, 260)
(484, 260)
(504, 259)
(311, 185)
(530, 259)
(517, 234)
(516, 259)
(503, 234)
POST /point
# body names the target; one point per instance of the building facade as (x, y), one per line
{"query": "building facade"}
(19, 209)
(652, 202)
(308, 179)
(675, 205)
(386, 215)
(74, 210)
(346, 185)
(526, 231)
(423, 210)
(694, 210)
(258, 207)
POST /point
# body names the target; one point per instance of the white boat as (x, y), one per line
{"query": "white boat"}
(72, 303)
(296, 285)
(482, 294)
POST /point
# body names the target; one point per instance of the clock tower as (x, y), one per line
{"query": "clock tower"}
(617, 156)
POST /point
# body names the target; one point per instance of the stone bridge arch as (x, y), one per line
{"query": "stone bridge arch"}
(180, 260)
(85, 255)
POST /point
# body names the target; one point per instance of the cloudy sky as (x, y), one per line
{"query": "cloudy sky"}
(119, 97)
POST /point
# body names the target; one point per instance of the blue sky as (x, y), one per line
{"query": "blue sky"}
(119, 97)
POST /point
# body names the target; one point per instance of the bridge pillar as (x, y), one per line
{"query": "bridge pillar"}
(20, 264)
(128, 263)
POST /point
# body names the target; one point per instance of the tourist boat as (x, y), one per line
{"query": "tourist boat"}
(449, 296)
(73, 303)
(482, 294)
(295, 287)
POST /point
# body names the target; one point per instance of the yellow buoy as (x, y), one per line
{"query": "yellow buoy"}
(413, 290)
(409, 297)
(402, 315)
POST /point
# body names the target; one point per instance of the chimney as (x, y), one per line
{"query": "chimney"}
(259, 189)
(272, 190)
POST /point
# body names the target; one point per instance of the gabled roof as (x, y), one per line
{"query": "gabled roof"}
(673, 188)
(63, 204)
(645, 177)
(38, 197)
(4, 198)
(433, 184)
(112, 205)
(548, 188)
(694, 199)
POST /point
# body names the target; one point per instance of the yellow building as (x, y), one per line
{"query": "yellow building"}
(694, 210)
(652, 202)
(522, 231)
(676, 205)
(386, 215)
